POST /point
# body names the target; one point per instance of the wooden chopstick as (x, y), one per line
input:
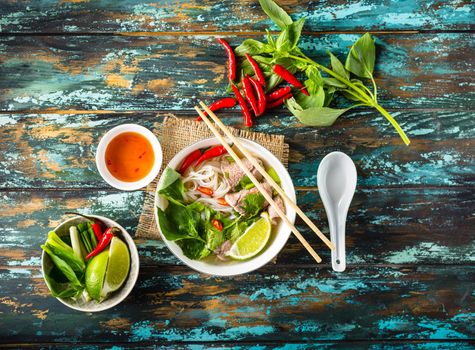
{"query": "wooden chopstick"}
(258, 184)
(266, 176)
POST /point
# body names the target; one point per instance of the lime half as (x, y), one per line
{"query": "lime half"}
(253, 240)
(95, 274)
(118, 267)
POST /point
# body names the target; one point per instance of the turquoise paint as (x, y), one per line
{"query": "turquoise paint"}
(428, 249)
(142, 331)
(7, 120)
(32, 261)
(440, 330)
(393, 324)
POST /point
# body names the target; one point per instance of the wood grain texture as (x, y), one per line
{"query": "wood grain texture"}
(265, 345)
(385, 226)
(197, 16)
(41, 150)
(171, 73)
(72, 69)
(297, 304)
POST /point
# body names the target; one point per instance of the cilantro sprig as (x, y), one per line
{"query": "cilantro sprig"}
(344, 79)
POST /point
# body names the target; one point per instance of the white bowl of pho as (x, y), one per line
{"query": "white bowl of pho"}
(213, 218)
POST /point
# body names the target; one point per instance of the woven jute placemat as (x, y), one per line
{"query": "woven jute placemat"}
(174, 135)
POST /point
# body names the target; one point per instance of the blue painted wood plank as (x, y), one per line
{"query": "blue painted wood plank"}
(177, 305)
(385, 226)
(41, 151)
(150, 73)
(264, 345)
(178, 16)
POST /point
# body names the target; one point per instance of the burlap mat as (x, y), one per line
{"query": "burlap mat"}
(174, 135)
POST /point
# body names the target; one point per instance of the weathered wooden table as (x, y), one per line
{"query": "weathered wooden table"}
(71, 70)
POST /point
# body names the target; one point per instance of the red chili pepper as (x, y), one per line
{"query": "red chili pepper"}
(261, 96)
(213, 152)
(189, 160)
(249, 93)
(205, 190)
(217, 224)
(245, 111)
(278, 102)
(222, 201)
(274, 95)
(226, 102)
(257, 70)
(104, 242)
(96, 228)
(231, 59)
(290, 78)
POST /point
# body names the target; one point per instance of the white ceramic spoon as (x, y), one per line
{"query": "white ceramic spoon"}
(336, 179)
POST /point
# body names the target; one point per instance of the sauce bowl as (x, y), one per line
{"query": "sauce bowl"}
(101, 159)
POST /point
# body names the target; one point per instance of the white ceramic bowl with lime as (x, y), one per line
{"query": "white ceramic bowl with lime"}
(273, 241)
(106, 277)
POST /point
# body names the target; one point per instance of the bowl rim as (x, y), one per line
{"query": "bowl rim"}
(133, 255)
(101, 163)
(291, 214)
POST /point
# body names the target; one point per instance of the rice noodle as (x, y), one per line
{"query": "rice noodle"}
(208, 175)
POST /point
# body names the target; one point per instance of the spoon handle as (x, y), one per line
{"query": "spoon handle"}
(337, 236)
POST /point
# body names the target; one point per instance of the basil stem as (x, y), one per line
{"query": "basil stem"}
(362, 95)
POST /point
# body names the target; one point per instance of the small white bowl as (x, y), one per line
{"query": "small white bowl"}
(101, 159)
(114, 298)
(280, 233)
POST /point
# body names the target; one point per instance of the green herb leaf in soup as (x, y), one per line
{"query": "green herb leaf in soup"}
(170, 186)
(253, 204)
(194, 249)
(178, 221)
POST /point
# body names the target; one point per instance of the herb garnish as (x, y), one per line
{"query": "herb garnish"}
(344, 79)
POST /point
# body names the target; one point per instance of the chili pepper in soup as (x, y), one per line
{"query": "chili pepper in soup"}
(129, 157)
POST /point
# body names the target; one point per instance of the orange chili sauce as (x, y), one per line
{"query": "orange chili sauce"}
(129, 157)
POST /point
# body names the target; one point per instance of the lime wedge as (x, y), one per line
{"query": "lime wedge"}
(118, 267)
(95, 273)
(253, 240)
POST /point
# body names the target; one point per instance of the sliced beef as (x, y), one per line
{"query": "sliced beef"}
(236, 200)
(222, 250)
(272, 213)
(234, 174)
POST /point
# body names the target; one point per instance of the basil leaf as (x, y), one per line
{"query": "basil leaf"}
(334, 82)
(252, 47)
(194, 249)
(361, 58)
(283, 43)
(314, 116)
(170, 185)
(289, 37)
(295, 30)
(329, 96)
(270, 39)
(272, 81)
(64, 267)
(58, 283)
(314, 74)
(276, 13)
(338, 67)
(316, 98)
(349, 96)
(179, 221)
